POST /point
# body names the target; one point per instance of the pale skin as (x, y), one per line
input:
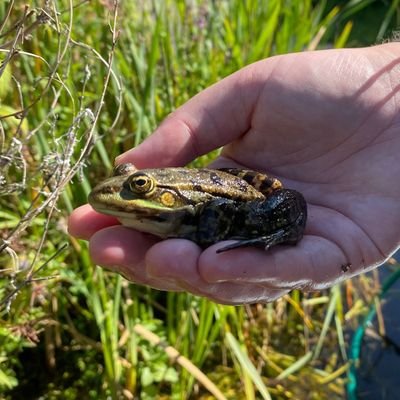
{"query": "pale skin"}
(327, 123)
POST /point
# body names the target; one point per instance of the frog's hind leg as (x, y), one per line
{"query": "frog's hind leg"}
(262, 182)
(265, 242)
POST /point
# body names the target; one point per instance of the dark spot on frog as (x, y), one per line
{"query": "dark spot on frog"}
(109, 190)
(346, 267)
(241, 185)
(198, 188)
(122, 169)
(216, 179)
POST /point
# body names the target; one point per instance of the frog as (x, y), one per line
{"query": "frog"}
(204, 205)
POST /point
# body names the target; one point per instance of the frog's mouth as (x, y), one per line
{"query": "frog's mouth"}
(162, 224)
(143, 215)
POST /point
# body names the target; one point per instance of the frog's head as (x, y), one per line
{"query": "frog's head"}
(149, 200)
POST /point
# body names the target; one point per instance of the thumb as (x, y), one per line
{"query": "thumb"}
(216, 116)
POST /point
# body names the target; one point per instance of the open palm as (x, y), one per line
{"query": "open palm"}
(327, 124)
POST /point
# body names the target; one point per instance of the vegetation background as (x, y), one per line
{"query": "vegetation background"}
(80, 82)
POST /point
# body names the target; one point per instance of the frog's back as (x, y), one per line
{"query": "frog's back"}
(215, 182)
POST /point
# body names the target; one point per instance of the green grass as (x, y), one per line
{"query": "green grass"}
(84, 75)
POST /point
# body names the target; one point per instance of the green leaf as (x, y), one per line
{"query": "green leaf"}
(344, 35)
(247, 366)
(5, 81)
(7, 381)
(147, 377)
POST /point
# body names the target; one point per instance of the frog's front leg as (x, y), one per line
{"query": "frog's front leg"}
(281, 219)
(214, 221)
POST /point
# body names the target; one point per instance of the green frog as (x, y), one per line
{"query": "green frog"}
(204, 205)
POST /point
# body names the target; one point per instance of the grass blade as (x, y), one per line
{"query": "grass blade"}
(247, 366)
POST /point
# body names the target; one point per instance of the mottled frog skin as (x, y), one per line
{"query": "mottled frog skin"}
(204, 205)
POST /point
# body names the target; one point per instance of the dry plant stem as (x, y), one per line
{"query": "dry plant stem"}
(108, 66)
(17, 23)
(53, 74)
(175, 356)
(90, 142)
(67, 156)
(66, 173)
(2, 142)
(42, 18)
(14, 258)
(317, 38)
(79, 337)
(9, 297)
(57, 94)
(14, 42)
(49, 114)
(8, 13)
(33, 211)
(80, 4)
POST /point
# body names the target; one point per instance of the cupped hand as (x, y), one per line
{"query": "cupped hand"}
(326, 123)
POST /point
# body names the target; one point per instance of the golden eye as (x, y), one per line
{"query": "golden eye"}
(141, 183)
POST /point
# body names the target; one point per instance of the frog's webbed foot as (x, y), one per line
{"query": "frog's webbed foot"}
(266, 242)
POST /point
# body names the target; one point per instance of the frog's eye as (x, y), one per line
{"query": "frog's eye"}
(141, 183)
(124, 169)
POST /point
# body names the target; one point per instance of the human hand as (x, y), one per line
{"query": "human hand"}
(325, 123)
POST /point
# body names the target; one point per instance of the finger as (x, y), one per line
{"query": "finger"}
(314, 264)
(123, 250)
(335, 248)
(234, 294)
(84, 222)
(216, 116)
(182, 268)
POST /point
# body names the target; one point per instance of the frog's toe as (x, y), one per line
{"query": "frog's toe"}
(258, 242)
(266, 242)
